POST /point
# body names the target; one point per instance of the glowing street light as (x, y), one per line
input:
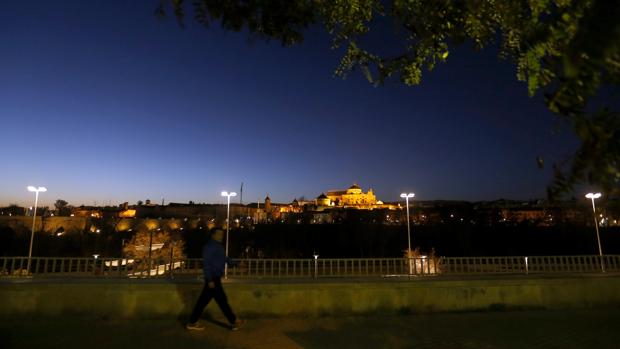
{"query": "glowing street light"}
(228, 196)
(36, 190)
(316, 265)
(593, 196)
(407, 196)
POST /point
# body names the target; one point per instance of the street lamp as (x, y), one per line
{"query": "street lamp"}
(36, 190)
(228, 196)
(316, 265)
(95, 256)
(593, 196)
(406, 196)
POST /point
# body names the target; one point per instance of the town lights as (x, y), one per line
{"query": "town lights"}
(228, 196)
(407, 196)
(593, 196)
(36, 190)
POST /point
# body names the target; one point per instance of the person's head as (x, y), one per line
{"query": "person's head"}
(217, 235)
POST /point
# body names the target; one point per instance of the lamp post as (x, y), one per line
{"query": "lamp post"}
(593, 196)
(150, 251)
(406, 196)
(316, 265)
(174, 243)
(228, 196)
(95, 256)
(36, 190)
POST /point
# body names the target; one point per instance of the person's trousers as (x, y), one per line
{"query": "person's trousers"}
(220, 298)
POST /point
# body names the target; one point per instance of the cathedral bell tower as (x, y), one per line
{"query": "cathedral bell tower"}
(267, 204)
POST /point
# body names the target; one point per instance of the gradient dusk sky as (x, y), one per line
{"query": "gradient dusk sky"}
(102, 102)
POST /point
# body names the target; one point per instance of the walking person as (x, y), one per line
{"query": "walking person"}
(214, 260)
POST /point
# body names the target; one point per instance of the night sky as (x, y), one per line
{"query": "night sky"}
(101, 102)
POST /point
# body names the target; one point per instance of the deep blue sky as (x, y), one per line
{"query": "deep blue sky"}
(102, 102)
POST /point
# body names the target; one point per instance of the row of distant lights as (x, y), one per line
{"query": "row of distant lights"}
(406, 196)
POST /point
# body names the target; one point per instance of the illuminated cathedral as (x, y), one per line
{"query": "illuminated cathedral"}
(352, 197)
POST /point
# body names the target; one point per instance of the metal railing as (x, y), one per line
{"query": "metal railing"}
(307, 268)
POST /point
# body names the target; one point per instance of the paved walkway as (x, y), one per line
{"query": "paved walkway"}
(521, 329)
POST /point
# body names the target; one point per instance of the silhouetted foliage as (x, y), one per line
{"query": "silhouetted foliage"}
(13, 209)
(7, 239)
(62, 208)
(162, 243)
(565, 49)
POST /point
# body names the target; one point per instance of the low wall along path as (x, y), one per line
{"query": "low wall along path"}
(148, 298)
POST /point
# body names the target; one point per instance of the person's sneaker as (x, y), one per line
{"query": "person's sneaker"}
(194, 327)
(237, 325)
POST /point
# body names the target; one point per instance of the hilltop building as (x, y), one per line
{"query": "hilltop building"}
(353, 197)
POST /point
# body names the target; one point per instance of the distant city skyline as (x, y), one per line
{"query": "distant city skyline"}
(395, 197)
(135, 108)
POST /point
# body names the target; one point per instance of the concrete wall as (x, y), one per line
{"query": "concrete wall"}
(23, 224)
(148, 298)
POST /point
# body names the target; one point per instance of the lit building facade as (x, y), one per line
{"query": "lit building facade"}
(352, 197)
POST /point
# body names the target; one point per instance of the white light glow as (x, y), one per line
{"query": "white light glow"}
(35, 189)
(407, 195)
(593, 195)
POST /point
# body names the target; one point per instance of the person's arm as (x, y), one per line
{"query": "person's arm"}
(231, 262)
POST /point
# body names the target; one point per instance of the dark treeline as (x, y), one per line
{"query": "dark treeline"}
(368, 240)
(344, 240)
